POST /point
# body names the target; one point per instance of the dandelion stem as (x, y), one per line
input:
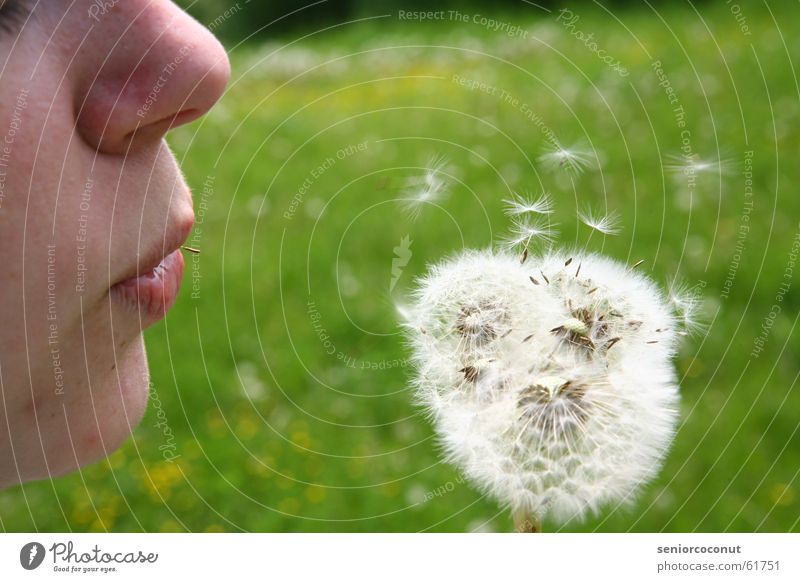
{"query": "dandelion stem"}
(524, 522)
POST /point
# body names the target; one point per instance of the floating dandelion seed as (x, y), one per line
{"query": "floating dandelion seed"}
(554, 398)
(525, 231)
(607, 224)
(685, 301)
(429, 188)
(574, 160)
(693, 165)
(519, 205)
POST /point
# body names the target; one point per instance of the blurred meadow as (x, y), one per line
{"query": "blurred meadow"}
(279, 381)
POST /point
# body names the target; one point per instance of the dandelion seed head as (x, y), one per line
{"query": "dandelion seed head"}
(556, 398)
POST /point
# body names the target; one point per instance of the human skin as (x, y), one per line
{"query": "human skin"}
(90, 199)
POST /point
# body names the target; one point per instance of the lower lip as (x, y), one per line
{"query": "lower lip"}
(152, 294)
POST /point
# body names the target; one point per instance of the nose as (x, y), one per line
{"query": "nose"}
(154, 68)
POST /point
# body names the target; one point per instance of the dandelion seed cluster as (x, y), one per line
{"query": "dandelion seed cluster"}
(549, 380)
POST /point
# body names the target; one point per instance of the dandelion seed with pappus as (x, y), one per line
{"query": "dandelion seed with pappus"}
(526, 231)
(550, 383)
(430, 188)
(607, 224)
(574, 160)
(692, 164)
(519, 205)
(685, 302)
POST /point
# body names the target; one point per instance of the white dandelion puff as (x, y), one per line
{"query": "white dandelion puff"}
(518, 205)
(524, 232)
(608, 224)
(575, 159)
(550, 383)
(404, 311)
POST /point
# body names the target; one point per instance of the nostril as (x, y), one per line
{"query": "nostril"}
(184, 116)
(167, 122)
(159, 127)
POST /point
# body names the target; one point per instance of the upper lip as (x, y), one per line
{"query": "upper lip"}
(157, 251)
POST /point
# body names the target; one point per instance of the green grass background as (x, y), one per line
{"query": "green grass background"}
(275, 434)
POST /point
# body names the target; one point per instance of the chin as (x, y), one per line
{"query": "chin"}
(92, 418)
(125, 390)
(104, 421)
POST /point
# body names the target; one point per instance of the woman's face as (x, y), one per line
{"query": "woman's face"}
(93, 210)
